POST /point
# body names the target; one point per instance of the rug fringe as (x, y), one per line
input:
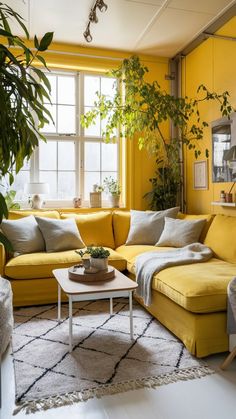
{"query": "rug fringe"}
(111, 389)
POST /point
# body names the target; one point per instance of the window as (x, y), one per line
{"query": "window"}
(73, 159)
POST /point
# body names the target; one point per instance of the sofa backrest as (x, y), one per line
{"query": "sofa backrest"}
(15, 215)
(95, 227)
(121, 225)
(221, 237)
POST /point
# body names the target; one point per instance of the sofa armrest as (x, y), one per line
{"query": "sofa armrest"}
(3, 259)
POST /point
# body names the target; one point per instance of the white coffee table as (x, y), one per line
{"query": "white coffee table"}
(119, 286)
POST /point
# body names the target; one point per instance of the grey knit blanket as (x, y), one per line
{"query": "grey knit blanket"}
(149, 263)
(231, 307)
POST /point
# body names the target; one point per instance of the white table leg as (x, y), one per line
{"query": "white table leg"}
(111, 306)
(70, 324)
(59, 304)
(131, 314)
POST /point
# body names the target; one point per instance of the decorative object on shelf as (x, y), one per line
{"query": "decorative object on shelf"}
(100, 5)
(200, 175)
(222, 196)
(80, 274)
(77, 202)
(95, 199)
(98, 257)
(113, 188)
(36, 189)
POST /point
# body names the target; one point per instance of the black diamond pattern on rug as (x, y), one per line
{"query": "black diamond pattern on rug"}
(103, 353)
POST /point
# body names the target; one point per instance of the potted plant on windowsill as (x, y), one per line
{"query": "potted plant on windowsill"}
(98, 257)
(113, 188)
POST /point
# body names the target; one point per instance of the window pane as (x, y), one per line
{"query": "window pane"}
(53, 81)
(66, 119)
(66, 90)
(66, 155)
(109, 157)
(21, 179)
(48, 155)
(94, 130)
(90, 179)
(108, 86)
(91, 86)
(92, 156)
(50, 178)
(50, 127)
(66, 185)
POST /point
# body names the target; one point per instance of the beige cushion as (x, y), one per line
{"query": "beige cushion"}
(24, 235)
(146, 226)
(179, 233)
(60, 234)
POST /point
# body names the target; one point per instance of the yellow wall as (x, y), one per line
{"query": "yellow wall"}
(213, 64)
(139, 166)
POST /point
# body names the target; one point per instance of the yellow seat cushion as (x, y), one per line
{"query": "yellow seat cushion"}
(95, 228)
(207, 217)
(40, 265)
(132, 251)
(221, 237)
(15, 215)
(121, 225)
(199, 287)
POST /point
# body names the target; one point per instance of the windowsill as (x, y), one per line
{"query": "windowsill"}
(67, 205)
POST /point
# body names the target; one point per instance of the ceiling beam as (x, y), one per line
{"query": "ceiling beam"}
(209, 31)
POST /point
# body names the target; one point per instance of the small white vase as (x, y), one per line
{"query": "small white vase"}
(114, 201)
(101, 264)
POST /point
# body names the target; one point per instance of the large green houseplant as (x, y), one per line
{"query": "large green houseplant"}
(142, 111)
(23, 89)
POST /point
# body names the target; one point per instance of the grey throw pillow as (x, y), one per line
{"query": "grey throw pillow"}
(180, 233)
(146, 226)
(24, 235)
(60, 234)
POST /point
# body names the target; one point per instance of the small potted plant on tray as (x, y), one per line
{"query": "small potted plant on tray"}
(98, 257)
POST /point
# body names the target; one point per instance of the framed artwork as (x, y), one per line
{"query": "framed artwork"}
(200, 175)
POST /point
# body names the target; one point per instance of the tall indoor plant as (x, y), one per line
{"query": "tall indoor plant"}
(141, 113)
(23, 89)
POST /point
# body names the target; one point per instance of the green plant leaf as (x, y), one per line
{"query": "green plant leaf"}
(3, 207)
(6, 243)
(45, 41)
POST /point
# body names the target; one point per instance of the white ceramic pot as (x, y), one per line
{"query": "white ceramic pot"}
(114, 201)
(100, 264)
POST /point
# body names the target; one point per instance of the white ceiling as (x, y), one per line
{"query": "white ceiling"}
(158, 27)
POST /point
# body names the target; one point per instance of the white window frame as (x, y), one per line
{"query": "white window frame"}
(79, 138)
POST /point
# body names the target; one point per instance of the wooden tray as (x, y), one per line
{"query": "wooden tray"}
(76, 273)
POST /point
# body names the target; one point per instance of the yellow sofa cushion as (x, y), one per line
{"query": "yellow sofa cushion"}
(199, 287)
(40, 265)
(207, 217)
(221, 238)
(95, 228)
(15, 215)
(121, 225)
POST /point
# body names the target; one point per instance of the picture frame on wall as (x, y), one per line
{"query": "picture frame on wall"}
(200, 175)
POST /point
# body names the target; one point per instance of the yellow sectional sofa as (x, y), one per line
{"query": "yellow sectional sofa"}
(190, 300)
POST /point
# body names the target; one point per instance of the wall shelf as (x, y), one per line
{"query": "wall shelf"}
(224, 204)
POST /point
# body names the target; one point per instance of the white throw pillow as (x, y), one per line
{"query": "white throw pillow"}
(146, 226)
(24, 235)
(180, 233)
(60, 234)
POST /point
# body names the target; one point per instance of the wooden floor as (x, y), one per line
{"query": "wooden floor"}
(211, 397)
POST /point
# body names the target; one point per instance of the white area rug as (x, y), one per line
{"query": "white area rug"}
(104, 359)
